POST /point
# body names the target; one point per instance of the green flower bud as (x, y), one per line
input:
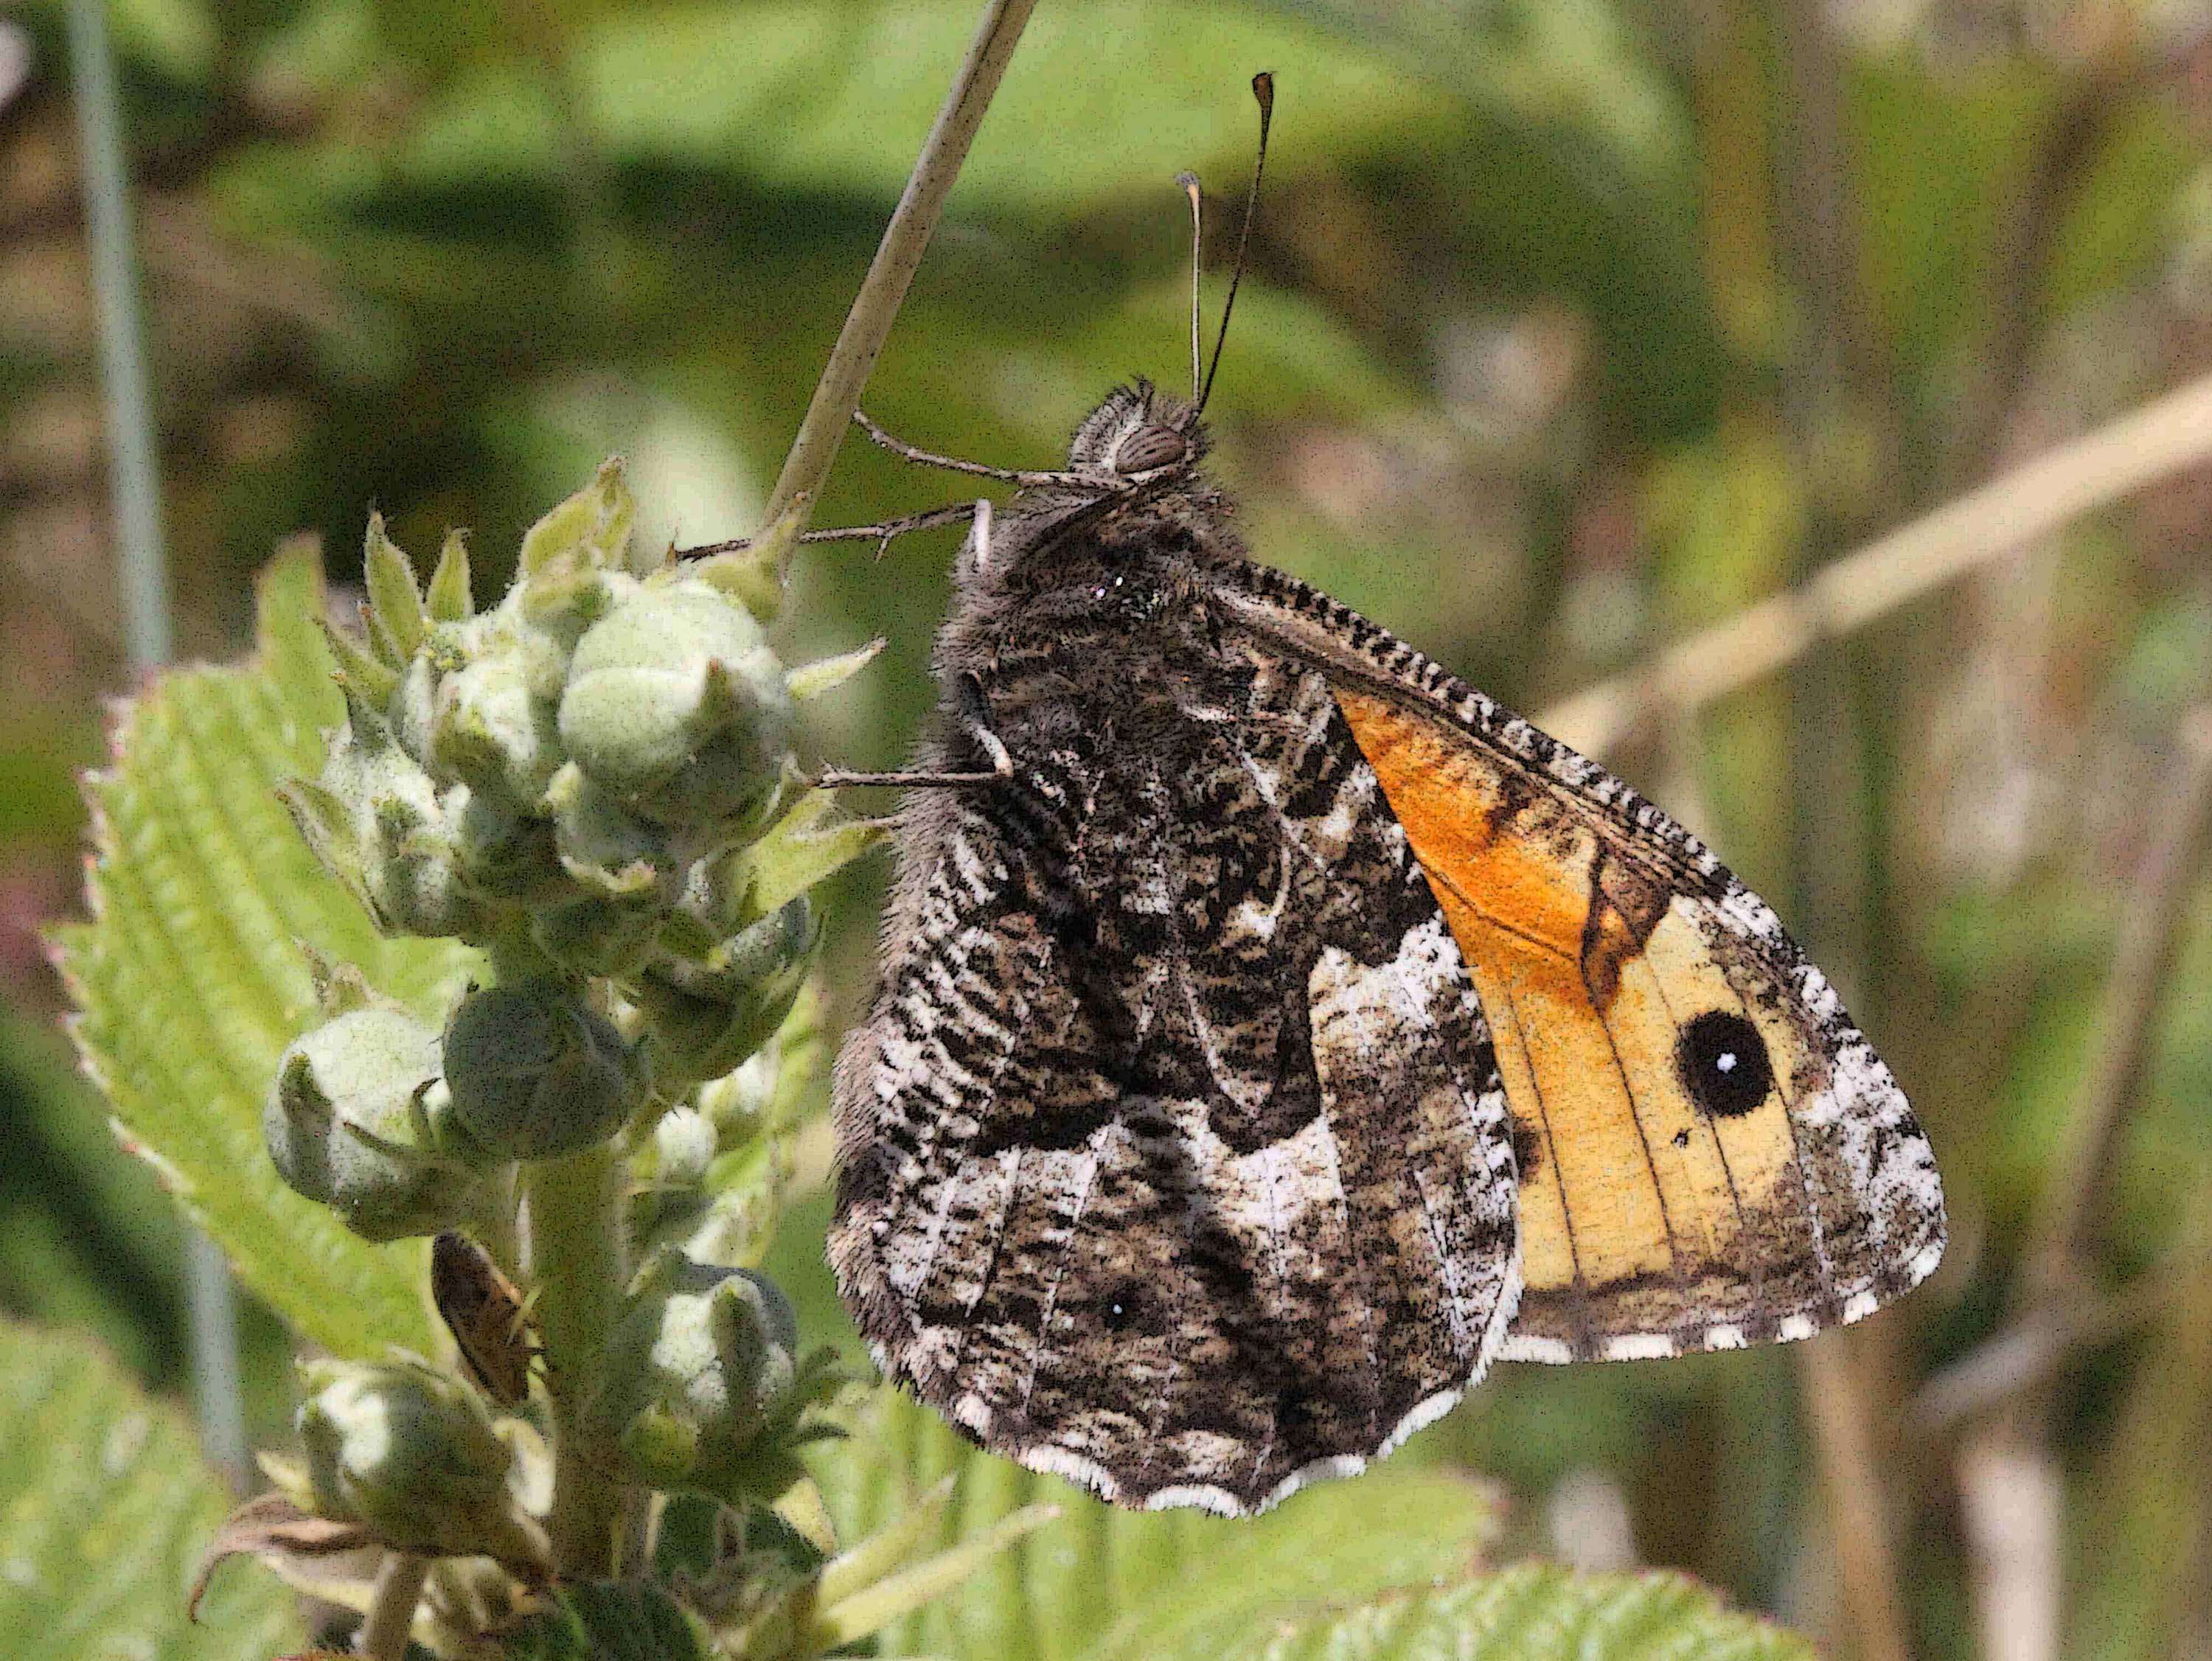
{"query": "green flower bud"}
(701, 1364)
(598, 935)
(410, 1453)
(412, 870)
(707, 1019)
(677, 706)
(536, 1073)
(374, 818)
(492, 732)
(357, 1120)
(604, 846)
(502, 853)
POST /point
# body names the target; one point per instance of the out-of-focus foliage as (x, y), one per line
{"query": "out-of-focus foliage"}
(1568, 332)
(1101, 1582)
(105, 1508)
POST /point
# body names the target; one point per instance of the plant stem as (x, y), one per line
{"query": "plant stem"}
(869, 323)
(392, 1604)
(2153, 442)
(134, 491)
(576, 1266)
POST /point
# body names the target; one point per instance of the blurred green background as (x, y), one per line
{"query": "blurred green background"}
(1574, 326)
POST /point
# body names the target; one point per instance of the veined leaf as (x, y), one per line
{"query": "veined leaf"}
(1532, 1612)
(104, 1506)
(191, 977)
(1103, 1582)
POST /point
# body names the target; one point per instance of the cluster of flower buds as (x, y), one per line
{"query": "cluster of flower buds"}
(702, 1386)
(591, 781)
(587, 780)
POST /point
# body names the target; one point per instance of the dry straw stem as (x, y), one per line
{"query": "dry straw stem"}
(2153, 443)
(1835, 1398)
(837, 395)
(2150, 934)
(2008, 1471)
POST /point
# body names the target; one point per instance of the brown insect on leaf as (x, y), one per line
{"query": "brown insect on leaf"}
(488, 1316)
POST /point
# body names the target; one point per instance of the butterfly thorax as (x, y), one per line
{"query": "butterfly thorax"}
(1084, 600)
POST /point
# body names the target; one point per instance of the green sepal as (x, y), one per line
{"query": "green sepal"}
(450, 599)
(326, 826)
(395, 601)
(825, 673)
(753, 575)
(807, 845)
(589, 531)
(375, 679)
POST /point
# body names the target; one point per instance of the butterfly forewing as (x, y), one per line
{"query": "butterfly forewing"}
(1710, 1153)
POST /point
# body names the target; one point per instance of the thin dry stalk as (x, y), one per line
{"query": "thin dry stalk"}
(2147, 445)
(2009, 1472)
(1866, 1569)
(868, 325)
(2150, 934)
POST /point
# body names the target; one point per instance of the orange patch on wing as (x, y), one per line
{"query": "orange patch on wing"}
(1586, 971)
(1517, 898)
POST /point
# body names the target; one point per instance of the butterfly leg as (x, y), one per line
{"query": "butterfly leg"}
(921, 458)
(974, 721)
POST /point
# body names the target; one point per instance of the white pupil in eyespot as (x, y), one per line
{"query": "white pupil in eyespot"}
(1726, 1061)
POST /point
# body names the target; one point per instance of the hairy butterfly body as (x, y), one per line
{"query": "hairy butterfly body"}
(1274, 1032)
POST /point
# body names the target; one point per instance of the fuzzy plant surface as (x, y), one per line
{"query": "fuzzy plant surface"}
(499, 925)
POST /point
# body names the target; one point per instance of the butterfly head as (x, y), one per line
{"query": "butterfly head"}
(1138, 433)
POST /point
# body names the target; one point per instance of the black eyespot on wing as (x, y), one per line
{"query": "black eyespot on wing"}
(1150, 446)
(1127, 1306)
(1723, 1063)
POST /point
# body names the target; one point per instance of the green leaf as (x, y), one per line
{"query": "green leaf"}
(191, 978)
(1534, 1612)
(628, 1622)
(1103, 1582)
(874, 1607)
(105, 1507)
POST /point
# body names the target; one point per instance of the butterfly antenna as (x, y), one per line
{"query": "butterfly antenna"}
(1189, 183)
(1263, 90)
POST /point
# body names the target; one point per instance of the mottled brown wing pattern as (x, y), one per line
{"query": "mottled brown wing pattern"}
(1712, 1155)
(1174, 1155)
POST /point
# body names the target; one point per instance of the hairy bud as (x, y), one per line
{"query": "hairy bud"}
(358, 1121)
(535, 1072)
(677, 706)
(701, 1368)
(411, 1454)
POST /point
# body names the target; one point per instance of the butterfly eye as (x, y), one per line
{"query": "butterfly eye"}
(1723, 1066)
(1148, 447)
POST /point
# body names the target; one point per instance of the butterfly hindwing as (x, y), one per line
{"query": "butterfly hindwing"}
(1174, 1158)
(1710, 1155)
